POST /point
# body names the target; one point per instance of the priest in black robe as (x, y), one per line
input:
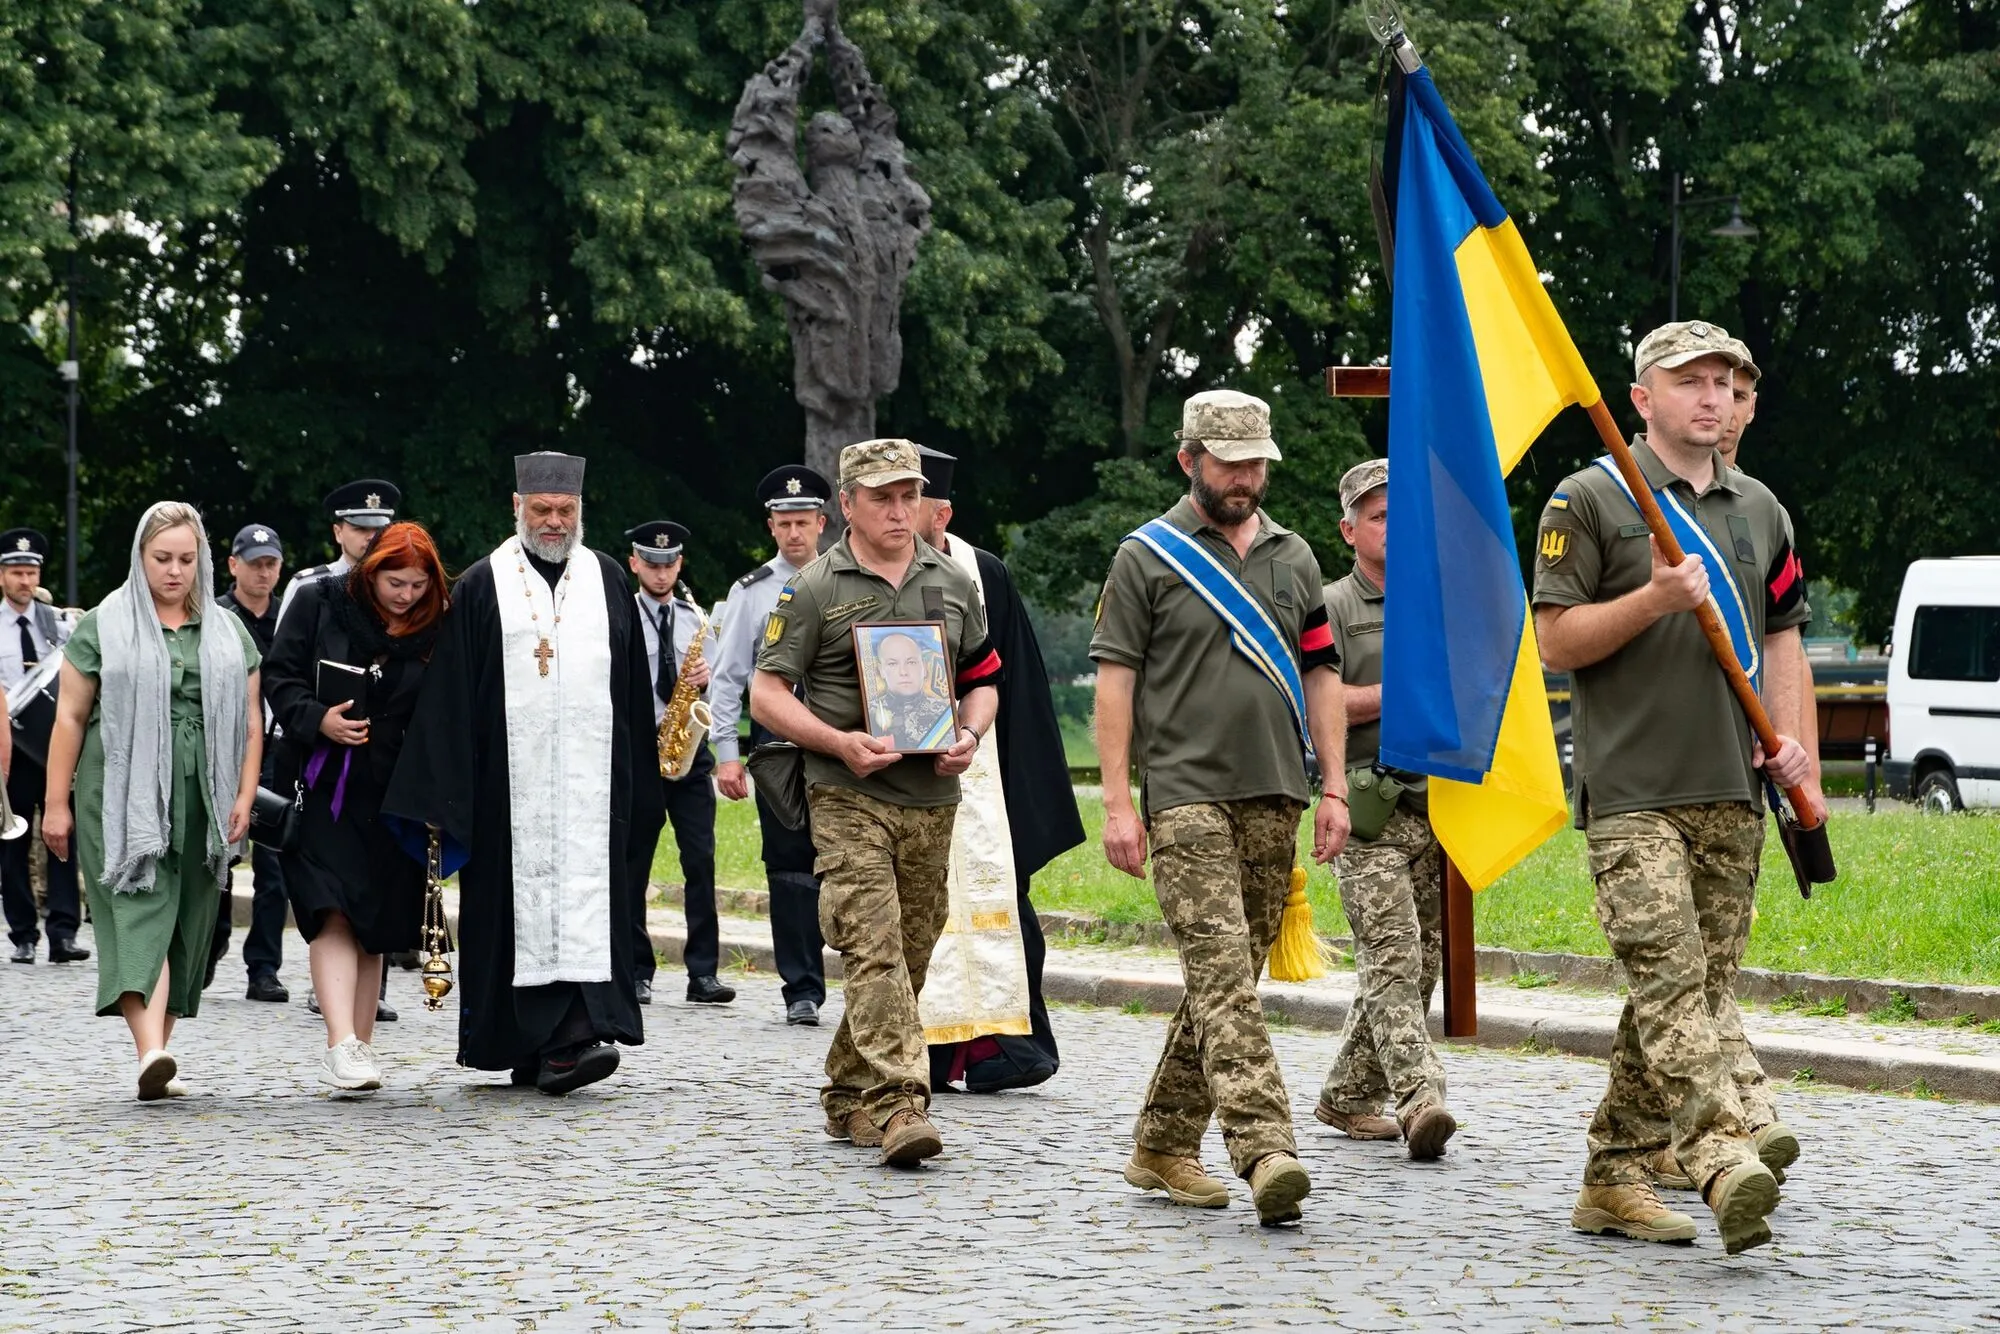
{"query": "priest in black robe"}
(1042, 817)
(520, 752)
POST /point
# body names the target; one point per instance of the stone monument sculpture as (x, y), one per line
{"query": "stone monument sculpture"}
(835, 237)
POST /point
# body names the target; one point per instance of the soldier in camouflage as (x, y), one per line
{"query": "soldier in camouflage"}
(1666, 784)
(1391, 886)
(880, 820)
(1222, 785)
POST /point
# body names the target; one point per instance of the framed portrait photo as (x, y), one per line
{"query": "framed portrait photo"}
(906, 685)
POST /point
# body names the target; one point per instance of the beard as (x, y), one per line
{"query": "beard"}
(556, 551)
(1225, 508)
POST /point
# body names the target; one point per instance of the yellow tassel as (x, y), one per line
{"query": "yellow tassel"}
(1299, 953)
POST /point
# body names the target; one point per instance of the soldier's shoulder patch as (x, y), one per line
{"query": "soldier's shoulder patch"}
(1559, 501)
(1554, 544)
(774, 628)
(757, 575)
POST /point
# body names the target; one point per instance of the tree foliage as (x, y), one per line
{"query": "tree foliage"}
(327, 238)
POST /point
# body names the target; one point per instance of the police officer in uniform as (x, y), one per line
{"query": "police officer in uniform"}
(359, 510)
(256, 563)
(794, 499)
(1392, 884)
(1666, 785)
(29, 631)
(883, 820)
(670, 620)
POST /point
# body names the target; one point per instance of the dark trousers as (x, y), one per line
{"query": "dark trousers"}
(17, 891)
(264, 943)
(688, 804)
(788, 873)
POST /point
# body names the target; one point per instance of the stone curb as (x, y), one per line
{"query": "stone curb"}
(1933, 1000)
(1860, 1065)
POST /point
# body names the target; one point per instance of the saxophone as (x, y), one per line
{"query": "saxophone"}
(684, 726)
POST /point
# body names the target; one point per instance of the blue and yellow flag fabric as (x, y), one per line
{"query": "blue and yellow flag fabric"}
(1482, 364)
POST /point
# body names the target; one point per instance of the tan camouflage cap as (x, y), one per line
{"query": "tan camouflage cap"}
(1232, 426)
(1362, 478)
(1677, 344)
(1742, 351)
(880, 462)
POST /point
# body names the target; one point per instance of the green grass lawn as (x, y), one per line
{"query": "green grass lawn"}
(1918, 898)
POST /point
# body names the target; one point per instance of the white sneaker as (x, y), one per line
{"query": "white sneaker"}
(176, 1089)
(156, 1071)
(346, 1066)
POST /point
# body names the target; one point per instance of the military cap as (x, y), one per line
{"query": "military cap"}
(548, 473)
(1742, 351)
(23, 546)
(1673, 345)
(793, 487)
(658, 542)
(1362, 478)
(937, 466)
(880, 462)
(256, 540)
(1234, 427)
(368, 503)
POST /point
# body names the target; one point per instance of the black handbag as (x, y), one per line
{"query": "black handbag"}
(274, 818)
(778, 768)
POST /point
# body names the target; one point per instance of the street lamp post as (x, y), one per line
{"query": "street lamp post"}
(1735, 227)
(71, 374)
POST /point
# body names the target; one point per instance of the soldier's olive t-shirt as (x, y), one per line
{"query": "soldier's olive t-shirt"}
(810, 637)
(1208, 726)
(1354, 609)
(1655, 724)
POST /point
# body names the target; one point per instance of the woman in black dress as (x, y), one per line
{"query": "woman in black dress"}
(356, 894)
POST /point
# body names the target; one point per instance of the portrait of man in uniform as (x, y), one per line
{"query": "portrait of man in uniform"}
(903, 685)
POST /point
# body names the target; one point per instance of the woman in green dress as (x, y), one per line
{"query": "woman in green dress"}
(152, 723)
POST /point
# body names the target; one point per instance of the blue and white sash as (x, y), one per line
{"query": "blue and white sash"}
(1694, 539)
(1252, 632)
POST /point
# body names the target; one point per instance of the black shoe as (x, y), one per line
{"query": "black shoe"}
(644, 987)
(576, 1067)
(706, 990)
(1003, 1072)
(267, 987)
(802, 1011)
(62, 949)
(312, 1001)
(406, 959)
(384, 1012)
(522, 1076)
(24, 953)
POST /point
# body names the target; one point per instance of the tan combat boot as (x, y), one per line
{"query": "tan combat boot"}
(1358, 1125)
(909, 1138)
(856, 1127)
(1665, 1170)
(1427, 1132)
(1777, 1148)
(1183, 1179)
(1631, 1211)
(1277, 1184)
(1741, 1199)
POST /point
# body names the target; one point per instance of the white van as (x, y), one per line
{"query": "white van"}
(1944, 685)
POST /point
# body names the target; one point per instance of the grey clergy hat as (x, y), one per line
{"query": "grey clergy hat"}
(547, 473)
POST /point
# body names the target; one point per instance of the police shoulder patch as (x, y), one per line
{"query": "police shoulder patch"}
(761, 572)
(1554, 544)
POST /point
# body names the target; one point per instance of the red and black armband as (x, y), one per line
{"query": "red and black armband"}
(1784, 582)
(1316, 646)
(980, 667)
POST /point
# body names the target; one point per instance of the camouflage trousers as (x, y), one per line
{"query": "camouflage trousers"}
(1673, 897)
(1221, 871)
(882, 904)
(1391, 889)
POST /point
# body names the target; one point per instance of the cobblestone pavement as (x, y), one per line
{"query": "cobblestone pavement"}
(696, 1191)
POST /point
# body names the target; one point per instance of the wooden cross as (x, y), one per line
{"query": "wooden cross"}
(542, 655)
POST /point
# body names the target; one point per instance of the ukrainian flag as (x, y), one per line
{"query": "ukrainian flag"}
(1482, 364)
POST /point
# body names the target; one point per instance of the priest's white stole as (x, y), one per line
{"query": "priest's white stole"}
(559, 746)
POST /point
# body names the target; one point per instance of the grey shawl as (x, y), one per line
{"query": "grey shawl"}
(133, 685)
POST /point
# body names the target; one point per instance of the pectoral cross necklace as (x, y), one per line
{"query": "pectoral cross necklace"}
(543, 649)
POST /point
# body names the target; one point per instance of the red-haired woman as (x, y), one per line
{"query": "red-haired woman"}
(355, 894)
